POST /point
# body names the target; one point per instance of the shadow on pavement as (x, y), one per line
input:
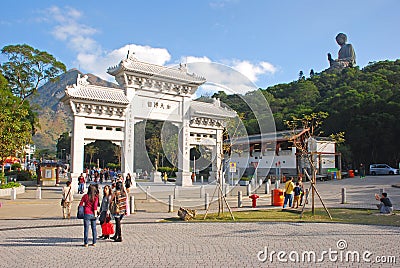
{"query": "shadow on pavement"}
(41, 241)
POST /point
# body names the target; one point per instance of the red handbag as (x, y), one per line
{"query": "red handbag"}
(107, 228)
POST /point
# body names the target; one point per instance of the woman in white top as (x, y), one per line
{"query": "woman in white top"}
(68, 196)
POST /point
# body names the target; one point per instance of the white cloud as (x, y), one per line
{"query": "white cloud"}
(191, 59)
(252, 71)
(149, 54)
(68, 29)
(99, 63)
(233, 77)
(91, 57)
(222, 77)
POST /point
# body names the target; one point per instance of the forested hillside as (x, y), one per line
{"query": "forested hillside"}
(365, 104)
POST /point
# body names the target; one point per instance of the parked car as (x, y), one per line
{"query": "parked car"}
(382, 169)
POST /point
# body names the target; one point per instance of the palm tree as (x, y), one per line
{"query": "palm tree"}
(91, 150)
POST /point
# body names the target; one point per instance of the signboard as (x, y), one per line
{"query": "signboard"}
(47, 174)
(232, 167)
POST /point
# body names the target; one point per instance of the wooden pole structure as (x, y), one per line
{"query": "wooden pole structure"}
(314, 179)
(314, 189)
(221, 199)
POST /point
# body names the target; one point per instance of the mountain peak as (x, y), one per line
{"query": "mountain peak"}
(54, 118)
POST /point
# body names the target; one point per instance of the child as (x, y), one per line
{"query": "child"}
(297, 194)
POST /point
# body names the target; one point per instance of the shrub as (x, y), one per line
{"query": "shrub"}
(15, 166)
(2, 178)
(113, 166)
(22, 175)
(10, 185)
(170, 171)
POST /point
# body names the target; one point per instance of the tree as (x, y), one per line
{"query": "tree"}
(15, 126)
(117, 153)
(301, 75)
(106, 151)
(44, 154)
(312, 127)
(170, 147)
(64, 143)
(28, 68)
(154, 148)
(91, 150)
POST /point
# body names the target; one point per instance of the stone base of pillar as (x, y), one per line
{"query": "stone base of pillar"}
(155, 176)
(184, 179)
(73, 178)
(48, 182)
(133, 185)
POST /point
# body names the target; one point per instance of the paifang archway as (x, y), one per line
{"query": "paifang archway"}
(147, 91)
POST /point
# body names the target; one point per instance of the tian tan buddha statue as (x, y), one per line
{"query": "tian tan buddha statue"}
(347, 56)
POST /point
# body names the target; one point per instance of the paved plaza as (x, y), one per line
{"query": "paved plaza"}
(32, 234)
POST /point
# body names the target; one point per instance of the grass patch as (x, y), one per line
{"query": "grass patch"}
(340, 215)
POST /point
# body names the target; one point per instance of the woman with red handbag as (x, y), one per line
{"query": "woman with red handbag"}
(104, 213)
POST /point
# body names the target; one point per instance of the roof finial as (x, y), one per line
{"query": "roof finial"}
(182, 67)
(131, 56)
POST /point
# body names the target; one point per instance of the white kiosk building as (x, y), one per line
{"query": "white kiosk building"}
(147, 91)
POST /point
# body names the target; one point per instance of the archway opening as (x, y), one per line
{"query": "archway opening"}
(156, 147)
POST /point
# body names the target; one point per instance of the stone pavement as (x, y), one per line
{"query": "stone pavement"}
(45, 243)
(33, 235)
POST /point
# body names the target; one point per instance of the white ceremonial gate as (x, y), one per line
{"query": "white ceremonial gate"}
(147, 91)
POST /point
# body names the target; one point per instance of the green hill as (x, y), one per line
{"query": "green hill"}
(364, 103)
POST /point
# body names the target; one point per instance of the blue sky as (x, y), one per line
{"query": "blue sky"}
(268, 41)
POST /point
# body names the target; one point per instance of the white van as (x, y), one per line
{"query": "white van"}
(382, 169)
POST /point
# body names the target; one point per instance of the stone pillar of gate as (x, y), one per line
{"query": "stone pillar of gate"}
(77, 149)
(127, 148)
(128, 144)
(183, 174)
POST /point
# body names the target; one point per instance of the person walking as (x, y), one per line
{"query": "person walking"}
(362, 171)
(90, 201)
(104, 212)
(289, 186)
(68, 197)
(118, 209)
(128, 182)
(81, 184)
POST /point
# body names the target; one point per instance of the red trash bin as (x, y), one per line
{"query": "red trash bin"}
(277, 197)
